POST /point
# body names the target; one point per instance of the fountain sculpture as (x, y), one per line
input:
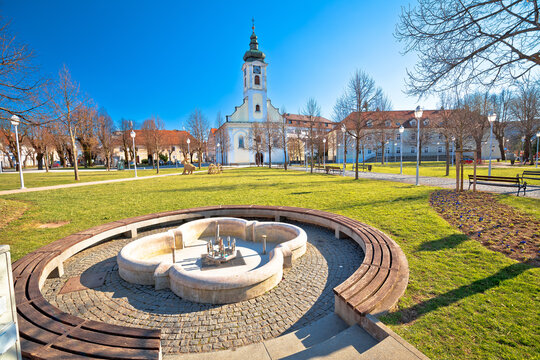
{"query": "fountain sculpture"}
(214, 260)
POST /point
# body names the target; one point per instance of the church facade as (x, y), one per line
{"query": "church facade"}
(256, 108)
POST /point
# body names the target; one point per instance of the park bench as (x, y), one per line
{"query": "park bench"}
(333, 169)
(530, 174)
(362, 167)
(507, 181)
(319, 168)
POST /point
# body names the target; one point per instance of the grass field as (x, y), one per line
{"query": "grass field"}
(463, 301)
(10, 181)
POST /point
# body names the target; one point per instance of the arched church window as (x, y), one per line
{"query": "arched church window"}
(257, 108)
(257, 80)
(240, 142)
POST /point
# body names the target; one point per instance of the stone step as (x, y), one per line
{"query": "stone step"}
(348, 344)
(306, 337)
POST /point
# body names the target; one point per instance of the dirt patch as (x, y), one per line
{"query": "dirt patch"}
(10, 211)
(52, 225)
(497, 226)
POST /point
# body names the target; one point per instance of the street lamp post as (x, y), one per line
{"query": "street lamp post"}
(15, 122)
(344, 129)
(217, 154)
(522, 153)
(134, 152)
(418, 115)
(537, 141)
(324, 151)
(452, 156)
(395, 145)
(401, 130)
(438, 143)
(491, 118)
(189, 154)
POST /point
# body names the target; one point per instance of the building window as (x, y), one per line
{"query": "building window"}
(397, 124)
(440, 136)
(369, 123)
(387, 123)
(257, 80)
(398, 137)
(290, 121)
(388, 150)
(398, 150)
(257, 108)
(368, 138)
(439, 150)
(241, 142)
(413, 150)
(426, 149)
(369, 151)
(413, 122)
(426, 122)
(413, 136)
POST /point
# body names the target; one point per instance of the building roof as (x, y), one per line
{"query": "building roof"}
(394, 119)
(254, 53)
(168, 137)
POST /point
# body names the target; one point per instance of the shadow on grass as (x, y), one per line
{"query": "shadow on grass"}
(447, 242)
(412, 313)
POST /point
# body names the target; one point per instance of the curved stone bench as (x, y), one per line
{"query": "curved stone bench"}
(49, 333)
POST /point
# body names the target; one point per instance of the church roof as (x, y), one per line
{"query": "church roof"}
(254, 53)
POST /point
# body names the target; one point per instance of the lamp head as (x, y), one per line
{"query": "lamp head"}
(217, 144)
(133, 134)
(343, 128)
(418, 112)
(492, 117)
(188, 140)
(15, 120)
(401, 129)
(324, 140)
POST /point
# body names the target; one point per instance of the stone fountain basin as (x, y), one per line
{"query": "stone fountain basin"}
(149, 260)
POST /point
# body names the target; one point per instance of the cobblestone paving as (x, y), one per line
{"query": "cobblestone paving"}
(303, 296)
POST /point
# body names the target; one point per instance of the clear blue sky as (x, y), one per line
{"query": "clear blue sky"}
(165, 58)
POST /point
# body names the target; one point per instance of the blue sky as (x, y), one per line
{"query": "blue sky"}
(165, 58)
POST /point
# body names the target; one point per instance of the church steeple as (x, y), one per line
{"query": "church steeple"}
(253, 53)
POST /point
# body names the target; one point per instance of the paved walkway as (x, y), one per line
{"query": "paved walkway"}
(449, 183)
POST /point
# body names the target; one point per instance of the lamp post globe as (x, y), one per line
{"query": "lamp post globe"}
(418, 115)
(189, 153)
(401, 130)
(491, 118)
(15, 121)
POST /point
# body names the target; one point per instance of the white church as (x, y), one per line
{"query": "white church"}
(255, 108)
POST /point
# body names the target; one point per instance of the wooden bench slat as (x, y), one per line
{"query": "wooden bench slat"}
(124, 330)
(36, 351)
(117, 340)
(107, 352)
(370, 289)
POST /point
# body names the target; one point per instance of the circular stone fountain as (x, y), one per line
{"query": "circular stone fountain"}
(215, 260)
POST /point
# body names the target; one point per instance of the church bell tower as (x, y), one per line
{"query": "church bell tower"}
(254, 74)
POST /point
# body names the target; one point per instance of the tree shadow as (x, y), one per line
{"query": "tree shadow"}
(410, 314)
(447, 242)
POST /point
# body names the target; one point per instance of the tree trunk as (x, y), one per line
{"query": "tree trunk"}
(269, 157)
(39, 158)
(47, 163)
(501, 149)
(285, 157)
(457, 170)
(479, 150)
(382, 155)
(74, 150)
(157, 165)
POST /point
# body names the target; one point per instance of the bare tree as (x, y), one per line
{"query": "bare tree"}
(462, 42)
(21, 85)
(67, 100)
(381, 130)
(271, 134)
(86, 117)
(360, 96)
(312, 111)
(152, 138)
(501, 104)
(105, 130)
(222, 138)
(282, 136)
(525, 107)
(258, 142)
(41, 140)
(198, 127)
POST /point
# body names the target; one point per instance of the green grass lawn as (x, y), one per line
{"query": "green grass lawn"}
(462, 302)
(10, 181)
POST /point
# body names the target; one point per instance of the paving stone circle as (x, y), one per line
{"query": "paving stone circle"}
(303, 296)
